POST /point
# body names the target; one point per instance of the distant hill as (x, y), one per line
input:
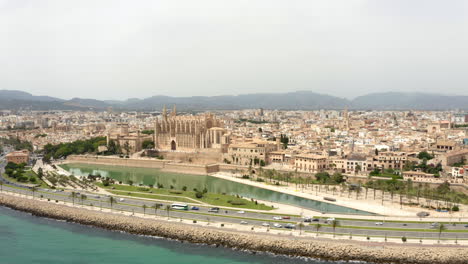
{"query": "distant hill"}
(407, 101)
(294, 100)
(301, 100)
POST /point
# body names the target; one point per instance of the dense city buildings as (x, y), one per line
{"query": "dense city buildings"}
(377, 143)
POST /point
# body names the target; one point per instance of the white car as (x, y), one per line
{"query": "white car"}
(277, 225)
(121, 199)
(243, 223)
(277, 218)
(330, 219)
(379, 223)
(266, 224)
(241, 212)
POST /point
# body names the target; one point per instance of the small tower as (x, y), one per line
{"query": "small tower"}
(174, 111)
(164, 113)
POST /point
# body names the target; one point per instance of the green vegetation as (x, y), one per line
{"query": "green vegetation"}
(424, 155)
(284, 140)
(406, 188)
(148, 132)
(389, 173)
(17, 143)
(40, 135)
(62, 150)
(209, 198)
(153, 196)
(241, 120)
(147, 144)
(19, 174)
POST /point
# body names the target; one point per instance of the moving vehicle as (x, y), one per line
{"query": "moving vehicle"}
(307, 219)
(214, 210)
(195, 208)
(277, 218)
(277, 225)
(286, 217)
(243, 223)
(266, 224)
(290, 226)
(241, 212)
(379, 223)
(121, 199)
(179, 206)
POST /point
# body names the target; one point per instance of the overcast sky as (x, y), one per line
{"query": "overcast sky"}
(109, 49)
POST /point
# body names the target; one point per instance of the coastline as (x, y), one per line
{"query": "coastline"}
(290, 246)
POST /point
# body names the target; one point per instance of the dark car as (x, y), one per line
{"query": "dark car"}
(195, 208)
(214, 210)
(290, 226)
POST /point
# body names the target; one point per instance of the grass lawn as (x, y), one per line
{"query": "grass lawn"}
(153, 196)
(28, 174)
(209, 198)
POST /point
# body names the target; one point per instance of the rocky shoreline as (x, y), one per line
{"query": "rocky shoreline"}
(327, 250)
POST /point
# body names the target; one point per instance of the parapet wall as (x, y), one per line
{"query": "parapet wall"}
(144, 163)
(165, 165)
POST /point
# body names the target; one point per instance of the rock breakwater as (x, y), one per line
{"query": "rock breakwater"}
(291, 246)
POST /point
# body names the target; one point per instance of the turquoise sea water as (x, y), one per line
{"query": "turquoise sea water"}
(148, 176)
(29, 239)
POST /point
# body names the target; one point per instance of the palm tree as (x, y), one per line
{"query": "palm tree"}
(168, 209)
(33, 190)
(73, 195)
(317, 228)
(1, 186)
(441, 229)
(156, 206)
(82, 198)
(112, 200)
(144, 208)
(334, 224)
(300, 225)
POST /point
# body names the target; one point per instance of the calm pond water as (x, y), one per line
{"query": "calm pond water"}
(148, 176)
(27, 239)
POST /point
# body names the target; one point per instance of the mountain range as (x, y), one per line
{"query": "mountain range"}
(300, 100)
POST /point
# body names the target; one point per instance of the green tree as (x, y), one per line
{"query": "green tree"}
(112, 201)
(33, 190)
(424, 155)
(334, 225)
(144, 209)
(317, 228)
(441, 229)
(168, 210)
(147, 144)
(156, 206)
(83, 197)
(73, 195)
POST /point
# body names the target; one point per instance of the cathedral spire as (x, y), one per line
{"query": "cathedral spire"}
(174, 111)
(164, 113)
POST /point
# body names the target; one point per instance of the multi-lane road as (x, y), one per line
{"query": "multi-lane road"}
(255, 219)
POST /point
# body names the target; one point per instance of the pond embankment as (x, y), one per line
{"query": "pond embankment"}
(291, 246)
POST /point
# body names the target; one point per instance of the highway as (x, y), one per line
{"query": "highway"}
(255, 219)
(250, 218)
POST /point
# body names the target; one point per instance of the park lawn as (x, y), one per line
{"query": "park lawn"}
(209, 198)
(28, 174)
(154, 196)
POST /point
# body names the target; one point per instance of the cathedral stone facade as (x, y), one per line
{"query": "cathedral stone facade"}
(189, 133)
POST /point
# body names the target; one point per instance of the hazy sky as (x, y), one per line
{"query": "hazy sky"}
(109, 49)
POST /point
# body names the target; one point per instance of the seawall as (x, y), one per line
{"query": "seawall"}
(323, 249)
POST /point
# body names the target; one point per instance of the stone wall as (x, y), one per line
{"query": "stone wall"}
(284, 245)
